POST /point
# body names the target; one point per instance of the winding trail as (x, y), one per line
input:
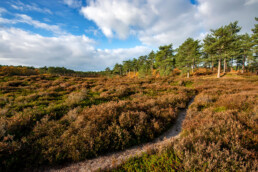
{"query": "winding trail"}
(114, 159)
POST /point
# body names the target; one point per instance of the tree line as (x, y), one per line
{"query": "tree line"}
(221, 48)
(60, 71)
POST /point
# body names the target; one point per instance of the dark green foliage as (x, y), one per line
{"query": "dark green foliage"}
(188, 55)
(164, 60)
(62, 71)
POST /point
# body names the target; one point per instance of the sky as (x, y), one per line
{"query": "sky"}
(90, 35)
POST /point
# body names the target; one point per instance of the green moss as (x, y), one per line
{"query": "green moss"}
(189, 84)
(220, 109)
(166, 161)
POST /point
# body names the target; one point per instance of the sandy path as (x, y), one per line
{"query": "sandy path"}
(116, 158)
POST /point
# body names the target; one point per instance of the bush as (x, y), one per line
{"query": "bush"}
(76, 97)
(202, 71)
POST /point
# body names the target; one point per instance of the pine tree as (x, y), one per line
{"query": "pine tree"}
(164, 60)
(209, 50)
(245, 49)
(223, 45)
(151, 58)
(188, 54)
(255, 47)
(118, 69)
(233, 45)
(127, 66)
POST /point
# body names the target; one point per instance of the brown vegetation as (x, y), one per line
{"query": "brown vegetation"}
(51, 120)
(219, 132)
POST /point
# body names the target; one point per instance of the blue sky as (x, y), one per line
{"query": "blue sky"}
(95, 34)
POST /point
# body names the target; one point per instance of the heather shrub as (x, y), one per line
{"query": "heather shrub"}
(219, 132)
(3, 124)
(176, 71)
(221, 139)
(75, 97)
(51, 120)
(202, 71)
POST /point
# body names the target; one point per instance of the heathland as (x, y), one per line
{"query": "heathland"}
(51, 120)
(54, 116)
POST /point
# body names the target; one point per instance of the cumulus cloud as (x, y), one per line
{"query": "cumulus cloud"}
(214, 14)
(157, 22)
(118, 15)
(73, 3)
(18, 47)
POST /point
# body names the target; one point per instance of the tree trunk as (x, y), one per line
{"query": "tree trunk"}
(225, 66)
(188, 74)
(218, 76)
(243, 67)
(212, 64)
(231, 68)
(193, 65)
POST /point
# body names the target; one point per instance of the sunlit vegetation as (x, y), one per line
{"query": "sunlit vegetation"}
(51, 120)
(219, 132)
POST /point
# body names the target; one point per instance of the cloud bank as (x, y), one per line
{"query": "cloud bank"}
(158, 22)
(18, 47)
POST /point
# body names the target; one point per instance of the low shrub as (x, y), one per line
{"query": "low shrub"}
(53, 119)
(202, 71)
(219, 132)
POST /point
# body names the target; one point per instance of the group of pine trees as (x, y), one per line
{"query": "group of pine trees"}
(221, 48)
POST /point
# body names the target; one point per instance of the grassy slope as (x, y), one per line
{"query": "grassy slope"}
(219, 133)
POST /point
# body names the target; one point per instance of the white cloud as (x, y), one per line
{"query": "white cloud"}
(18, 47)
(158, 22)
(22, 18)
(2, 10)
(17, 7)
(92, 30)
(73, 3)
(29, 7)
(117, 15)
(28, 20)
(250, 2)
(214, 14)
